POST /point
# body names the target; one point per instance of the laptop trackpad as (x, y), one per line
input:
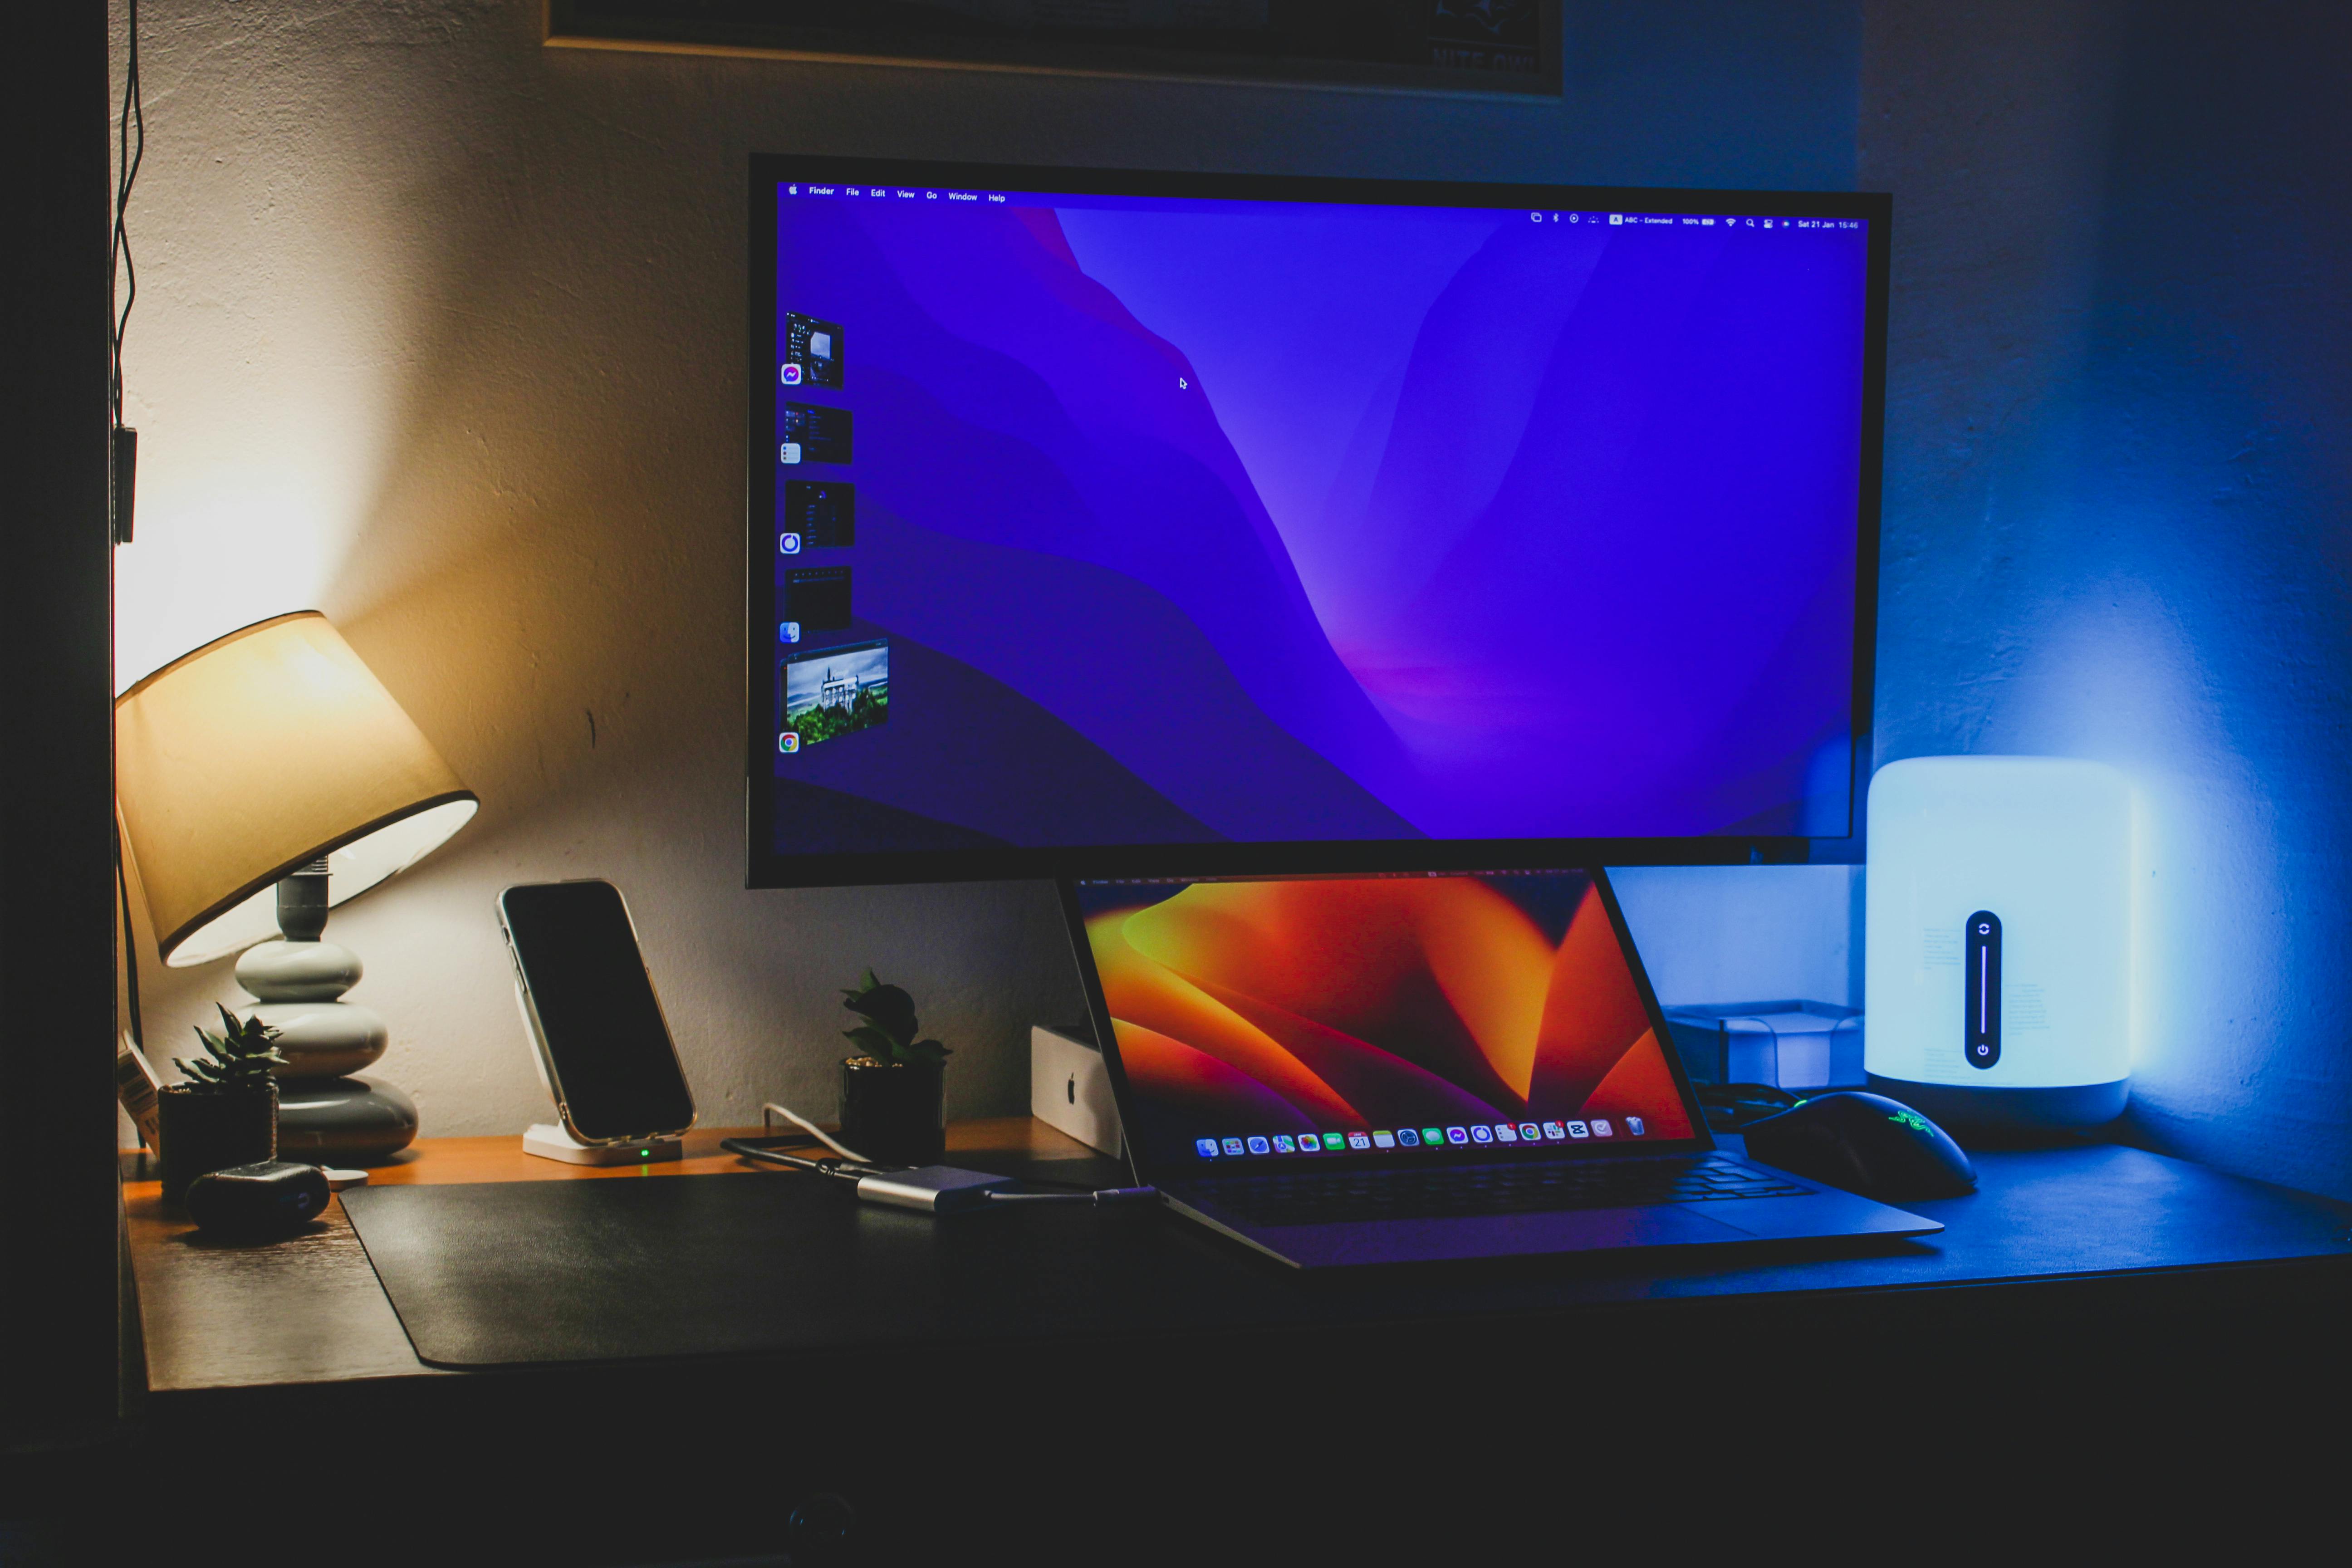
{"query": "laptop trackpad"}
(1493, 1236)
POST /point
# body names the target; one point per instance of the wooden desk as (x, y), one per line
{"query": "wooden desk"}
(309, 1309)
(2095, 1223)
(1123, 1361)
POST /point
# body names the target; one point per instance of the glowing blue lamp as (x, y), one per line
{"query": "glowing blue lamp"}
(1997, 970)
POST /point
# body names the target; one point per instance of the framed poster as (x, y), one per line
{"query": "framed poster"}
(1510, 47)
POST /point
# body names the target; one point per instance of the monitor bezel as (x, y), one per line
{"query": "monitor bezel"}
(768, 868)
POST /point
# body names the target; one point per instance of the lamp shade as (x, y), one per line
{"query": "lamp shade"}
(241, 762)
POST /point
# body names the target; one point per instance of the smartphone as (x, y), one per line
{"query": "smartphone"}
(604, 1045)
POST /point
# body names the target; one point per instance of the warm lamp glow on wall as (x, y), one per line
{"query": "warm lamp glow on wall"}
(261, 779)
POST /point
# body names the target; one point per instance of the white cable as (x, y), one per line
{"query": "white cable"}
(812, 1129)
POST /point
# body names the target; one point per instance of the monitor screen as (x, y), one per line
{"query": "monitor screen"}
(1113, 520)
(1406, 1017)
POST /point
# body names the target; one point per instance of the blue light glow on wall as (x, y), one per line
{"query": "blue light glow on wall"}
(2116, 526)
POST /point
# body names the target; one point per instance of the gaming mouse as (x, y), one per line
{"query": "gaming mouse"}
(1865, 1143)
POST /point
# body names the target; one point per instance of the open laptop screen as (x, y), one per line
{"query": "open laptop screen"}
(1258, 1021)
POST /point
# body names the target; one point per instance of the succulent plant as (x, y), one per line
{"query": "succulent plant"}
(888, 1033)
(241, 1056)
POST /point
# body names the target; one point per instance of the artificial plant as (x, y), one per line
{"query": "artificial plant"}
(241, 1057)
(888, 1035)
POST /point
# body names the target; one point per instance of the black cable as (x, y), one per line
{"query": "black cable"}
(1732, 1106)
(129, 941)
(1099, 1198)
(120, 265)
(850, 1170)
(828, 1165)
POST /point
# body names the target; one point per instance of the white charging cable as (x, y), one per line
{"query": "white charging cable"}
(773, 1110)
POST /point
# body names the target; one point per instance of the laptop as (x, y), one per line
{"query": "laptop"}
(1417, 1066)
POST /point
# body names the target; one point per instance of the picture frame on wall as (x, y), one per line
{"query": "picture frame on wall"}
(1511, 48)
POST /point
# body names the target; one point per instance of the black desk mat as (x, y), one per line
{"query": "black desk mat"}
(772, 1262)
(524, 1272)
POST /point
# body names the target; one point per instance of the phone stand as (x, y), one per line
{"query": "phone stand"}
(548, 1140)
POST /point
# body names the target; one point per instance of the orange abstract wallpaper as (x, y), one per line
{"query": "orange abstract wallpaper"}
(1369, 1004)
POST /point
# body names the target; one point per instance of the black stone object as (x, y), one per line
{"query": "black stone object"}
(203, 1130)
(344, 1121)
(893, 1112)
(302, 903)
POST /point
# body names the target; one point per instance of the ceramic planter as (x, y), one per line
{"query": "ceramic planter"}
(202, 1132)
(894, 1113)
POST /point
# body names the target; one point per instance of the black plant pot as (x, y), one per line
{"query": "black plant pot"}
(896, 1112)
(202, 1132)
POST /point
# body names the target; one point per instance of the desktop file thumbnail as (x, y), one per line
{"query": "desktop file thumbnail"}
(833, 692)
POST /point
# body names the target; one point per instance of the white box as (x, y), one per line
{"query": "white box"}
(1069, 1087)
(1803, 1046)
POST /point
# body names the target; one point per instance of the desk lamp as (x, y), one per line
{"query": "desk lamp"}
(1998, 964)
(260, 780)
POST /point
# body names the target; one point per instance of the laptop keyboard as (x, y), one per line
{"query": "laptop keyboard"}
(1324, 1197)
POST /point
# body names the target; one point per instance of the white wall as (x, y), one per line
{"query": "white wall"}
(439, 331)
(1746, 934)
(2117, 494)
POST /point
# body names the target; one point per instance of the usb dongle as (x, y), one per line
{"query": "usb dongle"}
(933, 1189)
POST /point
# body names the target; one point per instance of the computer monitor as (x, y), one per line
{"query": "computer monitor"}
(1105, 522)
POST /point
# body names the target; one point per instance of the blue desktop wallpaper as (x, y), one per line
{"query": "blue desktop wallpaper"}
(1189, 521)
